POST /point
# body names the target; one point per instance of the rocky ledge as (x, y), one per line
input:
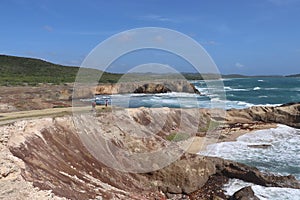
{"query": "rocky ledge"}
(288, 114)
(159, 86)
(55, 159)
(52, 156)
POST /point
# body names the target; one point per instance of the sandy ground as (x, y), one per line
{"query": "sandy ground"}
(6, 118)
(196, 144)
(13, 186)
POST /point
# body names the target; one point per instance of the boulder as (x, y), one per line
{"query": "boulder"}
(152, 88)
(184, 176)
(245, 193)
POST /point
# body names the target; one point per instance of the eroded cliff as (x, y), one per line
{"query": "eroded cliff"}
(54, 156)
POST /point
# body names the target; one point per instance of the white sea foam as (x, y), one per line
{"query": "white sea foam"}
(210, 91)
(264, 193)
(227, 79)
(267, 104)
(256, 88)
(177, 99)
(260, 80)
(282, 158)
(271, 89)
(176, 94)
(234, 89)
(295, 89)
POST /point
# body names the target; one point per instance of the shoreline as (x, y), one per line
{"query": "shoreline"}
(230, 131)
(199, 143)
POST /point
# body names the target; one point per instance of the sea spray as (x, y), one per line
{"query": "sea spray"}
(280, 155)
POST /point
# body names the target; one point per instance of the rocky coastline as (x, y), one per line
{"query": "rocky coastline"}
(44, 96)
(49, 154)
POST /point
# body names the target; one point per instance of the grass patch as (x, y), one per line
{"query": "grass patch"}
(176, 137)
(209, 125)
(103, 109)
(213, 125)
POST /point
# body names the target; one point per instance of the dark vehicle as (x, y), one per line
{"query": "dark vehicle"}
(103, 100)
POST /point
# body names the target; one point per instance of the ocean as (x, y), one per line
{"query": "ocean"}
(282, 157)
(239, 93)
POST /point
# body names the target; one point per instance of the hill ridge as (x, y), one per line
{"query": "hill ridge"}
(17, 70)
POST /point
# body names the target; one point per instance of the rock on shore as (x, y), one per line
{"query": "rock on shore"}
(288, 114)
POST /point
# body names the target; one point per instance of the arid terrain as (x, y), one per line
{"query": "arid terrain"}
(47, 157)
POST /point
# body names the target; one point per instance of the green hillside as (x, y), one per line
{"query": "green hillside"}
(19, 71)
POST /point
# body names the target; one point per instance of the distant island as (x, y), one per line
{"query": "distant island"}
(31, 71)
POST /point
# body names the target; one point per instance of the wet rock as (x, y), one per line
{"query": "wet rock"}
(246, 173)
(259, 146)
(245, 193)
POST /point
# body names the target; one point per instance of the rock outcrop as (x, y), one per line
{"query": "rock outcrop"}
(288, 114)
(55, 159)
(152, 88)
(245, 193)
(159, 86)
(246, 173)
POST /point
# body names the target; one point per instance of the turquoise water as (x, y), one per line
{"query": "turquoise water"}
(257, 91)
(240, 93)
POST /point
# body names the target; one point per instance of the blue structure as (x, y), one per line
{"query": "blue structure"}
(101, 100)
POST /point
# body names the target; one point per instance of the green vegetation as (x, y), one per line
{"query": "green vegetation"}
(23, 71)
(176, 137)
(18, 70)
(103, 109)
(209, 125)
(29, 71)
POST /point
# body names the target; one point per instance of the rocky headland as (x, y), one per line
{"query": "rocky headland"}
(46, 158)
(153, 87)
(44, 96)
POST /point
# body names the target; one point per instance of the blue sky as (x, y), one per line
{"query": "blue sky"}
(242, 36)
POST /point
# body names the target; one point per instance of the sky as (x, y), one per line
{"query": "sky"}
(257, 37)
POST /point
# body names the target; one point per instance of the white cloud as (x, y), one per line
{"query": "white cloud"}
(159, 18)
(239, 65)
